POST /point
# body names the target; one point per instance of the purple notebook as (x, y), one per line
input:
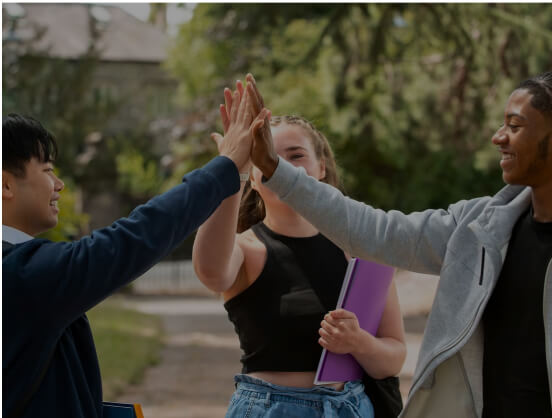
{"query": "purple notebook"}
(364, 292)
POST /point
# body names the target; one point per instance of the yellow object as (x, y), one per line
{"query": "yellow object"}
(138, 410)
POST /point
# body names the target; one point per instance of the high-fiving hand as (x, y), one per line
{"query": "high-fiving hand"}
(238, 113)
(246, 125)
(263, 154)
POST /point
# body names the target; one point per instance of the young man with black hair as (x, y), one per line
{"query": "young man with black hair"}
(487, 348)
(50, 367)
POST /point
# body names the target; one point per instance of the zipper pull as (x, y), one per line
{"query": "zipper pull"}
(482, 266)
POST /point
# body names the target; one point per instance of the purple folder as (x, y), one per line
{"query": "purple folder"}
(364, 292)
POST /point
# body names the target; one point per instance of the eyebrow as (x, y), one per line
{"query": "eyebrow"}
(295, 148)
(511, 115)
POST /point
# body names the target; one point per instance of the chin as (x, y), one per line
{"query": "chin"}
(513, 181)
(52, 224)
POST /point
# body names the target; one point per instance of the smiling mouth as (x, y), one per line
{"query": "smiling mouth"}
(506, 157)
(54, 203)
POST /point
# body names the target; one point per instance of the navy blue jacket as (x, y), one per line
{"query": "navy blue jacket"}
(48, 287)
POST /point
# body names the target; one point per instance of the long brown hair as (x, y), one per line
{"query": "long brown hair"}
(252, 209)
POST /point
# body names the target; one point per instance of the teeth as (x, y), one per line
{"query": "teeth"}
(53, 203)
(507, 157)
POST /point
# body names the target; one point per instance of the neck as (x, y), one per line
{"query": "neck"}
(288, 223)
(542, 203)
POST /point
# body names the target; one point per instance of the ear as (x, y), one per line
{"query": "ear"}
(8, 185)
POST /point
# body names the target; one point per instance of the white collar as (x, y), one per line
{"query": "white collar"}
(14, 236)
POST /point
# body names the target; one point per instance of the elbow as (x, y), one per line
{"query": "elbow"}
(393, 366)
(211, 278)
(398, 362)
(217, 287)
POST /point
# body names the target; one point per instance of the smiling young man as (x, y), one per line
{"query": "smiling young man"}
(487, 348)
(49, 362)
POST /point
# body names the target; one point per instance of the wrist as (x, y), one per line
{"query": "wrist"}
(268, 167)
(363, 345)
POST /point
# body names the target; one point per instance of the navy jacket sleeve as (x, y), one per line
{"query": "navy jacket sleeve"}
(58, 282)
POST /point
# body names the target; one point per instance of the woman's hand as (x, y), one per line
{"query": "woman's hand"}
(340, 332)
(237, 116)
(255, 105)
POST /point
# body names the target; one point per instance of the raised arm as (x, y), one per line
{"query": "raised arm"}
(217, 256)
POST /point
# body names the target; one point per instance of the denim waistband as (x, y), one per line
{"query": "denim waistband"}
(246, 382)
(267, 399)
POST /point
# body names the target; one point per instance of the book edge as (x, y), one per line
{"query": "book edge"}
(351, 267)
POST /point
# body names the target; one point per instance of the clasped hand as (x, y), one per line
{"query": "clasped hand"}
(340, 332)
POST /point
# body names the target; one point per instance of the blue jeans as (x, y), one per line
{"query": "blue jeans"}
(257, 398)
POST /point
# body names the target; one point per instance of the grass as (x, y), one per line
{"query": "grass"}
(127, 343)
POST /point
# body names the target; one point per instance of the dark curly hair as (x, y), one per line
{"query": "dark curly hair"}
(540, 87)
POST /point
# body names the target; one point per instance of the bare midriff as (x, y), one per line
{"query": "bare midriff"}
(294, 379)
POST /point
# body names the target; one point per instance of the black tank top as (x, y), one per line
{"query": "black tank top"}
(277, 318)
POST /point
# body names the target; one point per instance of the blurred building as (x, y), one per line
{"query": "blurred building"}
(130, 51)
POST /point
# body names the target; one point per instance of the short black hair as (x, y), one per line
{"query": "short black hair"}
(540, 87)
(23, 138)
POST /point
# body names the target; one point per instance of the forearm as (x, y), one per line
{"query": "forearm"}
(216, 255)
(380, 357)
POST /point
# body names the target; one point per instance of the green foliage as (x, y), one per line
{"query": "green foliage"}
(138, 177)
(57, 92)
(408, 94)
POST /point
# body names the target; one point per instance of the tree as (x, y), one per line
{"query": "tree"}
(408, 94)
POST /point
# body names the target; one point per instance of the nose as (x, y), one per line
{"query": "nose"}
(499, 137)
(58, 185)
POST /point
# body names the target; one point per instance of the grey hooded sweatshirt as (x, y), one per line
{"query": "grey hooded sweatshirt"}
(465, 245)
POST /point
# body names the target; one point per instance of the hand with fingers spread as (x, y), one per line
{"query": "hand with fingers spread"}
(237, 113)
(236, 119)
(226, 108)
(340, 332)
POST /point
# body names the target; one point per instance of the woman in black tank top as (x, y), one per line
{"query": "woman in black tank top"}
(279, 278)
